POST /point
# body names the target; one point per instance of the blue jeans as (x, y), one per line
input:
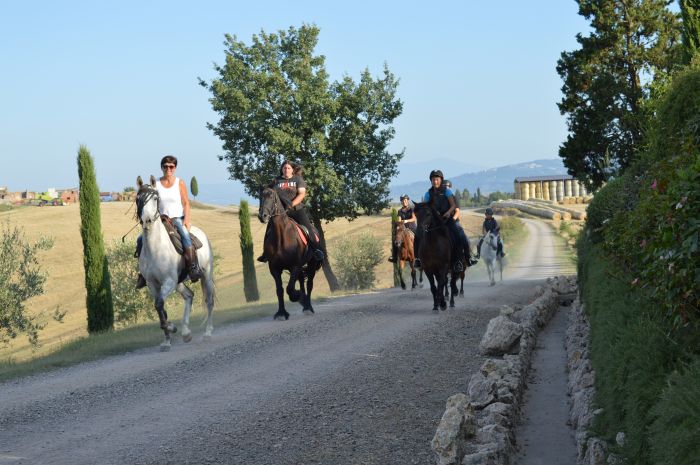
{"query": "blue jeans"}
(184, 234)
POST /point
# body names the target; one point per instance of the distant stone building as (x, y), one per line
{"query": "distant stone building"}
(28, 195)
(69, 196)
(554, 188)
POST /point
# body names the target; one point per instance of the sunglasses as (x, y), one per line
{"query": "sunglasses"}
(169, 167)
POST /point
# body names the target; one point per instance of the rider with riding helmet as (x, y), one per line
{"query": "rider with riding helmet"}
(442, 199)
(408, 218)
(291, 188)
(490, 224)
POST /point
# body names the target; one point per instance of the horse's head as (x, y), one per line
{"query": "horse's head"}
(426, 216)
(147, 202)
(399, 230)
(270, 205)
(491, 238)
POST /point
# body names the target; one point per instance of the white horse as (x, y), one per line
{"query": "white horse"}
(489, 254)
(161, 265)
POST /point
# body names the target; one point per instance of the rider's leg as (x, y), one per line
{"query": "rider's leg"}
(301, 217)
(416, 248)
(465, 245)
(189, 252)
(478, 247)
(458, 245)
(394, 252)
(140, 281)
(500, 250)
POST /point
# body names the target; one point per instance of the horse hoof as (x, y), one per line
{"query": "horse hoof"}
(165, 347)
(207, 337)
(452, 305)
(187, 337)
(308, 311)
(281, 316)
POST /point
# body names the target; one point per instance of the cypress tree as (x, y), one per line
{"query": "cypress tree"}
(100, 309)
(690, 12)
(394, 219)
(250, 280)
(194, 188)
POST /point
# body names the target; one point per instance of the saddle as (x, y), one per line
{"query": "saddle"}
(304, 233)
(175, 236)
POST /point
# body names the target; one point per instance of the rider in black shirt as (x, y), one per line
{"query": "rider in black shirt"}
(490, 224)
(408, 218)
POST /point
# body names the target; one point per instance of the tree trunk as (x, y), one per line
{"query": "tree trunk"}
(327, 269)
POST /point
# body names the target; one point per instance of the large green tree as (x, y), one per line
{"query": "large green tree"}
(100, 309)
(607, 80)
(275, 101)
(690, 12)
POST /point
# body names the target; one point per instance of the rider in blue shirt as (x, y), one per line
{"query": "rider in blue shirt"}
(442, 199)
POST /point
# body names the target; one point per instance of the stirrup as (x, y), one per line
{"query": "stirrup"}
(319, 255)
(417, 263)
(473, 261)
(195, 273)
(140, 282)
(391, 259)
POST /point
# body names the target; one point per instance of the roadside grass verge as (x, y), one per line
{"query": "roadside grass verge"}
(635, 351)
(149, 334)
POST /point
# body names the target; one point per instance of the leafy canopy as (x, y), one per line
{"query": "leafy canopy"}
(275, 102)
(607, 80)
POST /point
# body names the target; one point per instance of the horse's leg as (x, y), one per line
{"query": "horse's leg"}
(292, 292)
(208, 292)
(281, 312)
(187, 295)
(500, 267)
(433, 290)
(442, 286)
(401, 265)
(461, 284)
(413, 276)
(308, 308)
(453, 288)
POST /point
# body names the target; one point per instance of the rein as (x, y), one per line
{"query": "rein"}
(142, 198)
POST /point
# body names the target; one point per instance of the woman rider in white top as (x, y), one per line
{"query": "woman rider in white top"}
(174, 203)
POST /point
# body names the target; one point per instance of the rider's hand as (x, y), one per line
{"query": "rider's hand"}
(186, 223)
(446, 215)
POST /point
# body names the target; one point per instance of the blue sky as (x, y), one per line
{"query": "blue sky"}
(478, 79)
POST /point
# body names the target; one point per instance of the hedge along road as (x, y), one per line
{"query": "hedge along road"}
(365, 380)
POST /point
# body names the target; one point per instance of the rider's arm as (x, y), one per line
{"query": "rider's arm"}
(412, 219)
(301, 193)
(453, 205)
(185, 204)
(456, 215)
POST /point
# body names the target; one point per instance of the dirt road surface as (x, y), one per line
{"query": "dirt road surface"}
(364, 381)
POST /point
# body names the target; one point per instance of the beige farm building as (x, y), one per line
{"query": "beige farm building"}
(554, 188)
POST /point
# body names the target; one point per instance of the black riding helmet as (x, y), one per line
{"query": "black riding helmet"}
(436, 173)
(489, 211)
(447, 183)
(405, 196)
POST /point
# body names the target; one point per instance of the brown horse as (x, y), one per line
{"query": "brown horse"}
(435, 253)
(286, 250)
(404, 244)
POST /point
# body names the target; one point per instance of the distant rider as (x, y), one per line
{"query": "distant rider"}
(408, 218)
(491, 225)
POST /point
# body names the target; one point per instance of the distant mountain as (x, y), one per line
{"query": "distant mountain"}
(490, 180)
(418, 171)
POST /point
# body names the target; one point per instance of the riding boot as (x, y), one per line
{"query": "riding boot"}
(191, 264)
(316, 252)
(262, 258)
(394, 253)
(478, 249)
(140, 281)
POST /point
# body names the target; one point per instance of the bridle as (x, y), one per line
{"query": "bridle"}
(145, 195)
(493, 240)
(276, 209)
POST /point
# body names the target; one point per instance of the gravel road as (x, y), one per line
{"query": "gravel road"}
(364, 381)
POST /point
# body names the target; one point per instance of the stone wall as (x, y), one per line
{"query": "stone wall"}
(477, 427)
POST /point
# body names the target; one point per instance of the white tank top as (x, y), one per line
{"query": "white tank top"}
(170, 200)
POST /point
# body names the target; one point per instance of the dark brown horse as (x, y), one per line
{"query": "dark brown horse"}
(286, 250)
(404, 245)
(435, 253)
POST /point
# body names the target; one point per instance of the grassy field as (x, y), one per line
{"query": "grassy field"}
(65, 288)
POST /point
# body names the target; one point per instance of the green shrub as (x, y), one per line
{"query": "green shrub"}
(510, 227)
(21, 278)
(356, 258)
(675, 432)
(130, 305)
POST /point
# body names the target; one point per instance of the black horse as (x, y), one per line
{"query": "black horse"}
(435, 253)
(286, 249)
